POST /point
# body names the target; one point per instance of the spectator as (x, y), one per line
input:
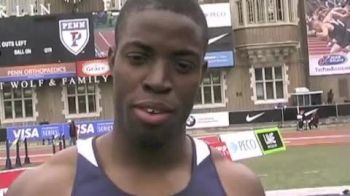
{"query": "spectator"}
(72, 132)
(330, 96)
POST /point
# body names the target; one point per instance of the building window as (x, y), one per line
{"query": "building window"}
(210, 91)
(251, 11)
(240, 12)
(291, 10)
(271, 10)
(265, 11)
(81, 99)
(260, 12)
(269, 83)
(280, 10)
(17, 103)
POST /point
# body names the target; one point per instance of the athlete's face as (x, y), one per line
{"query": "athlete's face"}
(157, 68)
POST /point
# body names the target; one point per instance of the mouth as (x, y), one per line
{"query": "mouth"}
(153, 113)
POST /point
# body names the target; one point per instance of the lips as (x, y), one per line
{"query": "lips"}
(154, 113)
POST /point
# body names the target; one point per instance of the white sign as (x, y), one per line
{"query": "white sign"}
(74, 34)
(208, 120)
(5, 13)
(3, 192)
(242, 145)
(53, 82)
(329, 64)
(217, 14)
(95, 69)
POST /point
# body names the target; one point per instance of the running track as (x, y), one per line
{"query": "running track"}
(38, 154)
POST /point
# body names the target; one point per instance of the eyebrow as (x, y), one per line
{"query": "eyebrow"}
(187, 52)
(139, 45)
(182, 52)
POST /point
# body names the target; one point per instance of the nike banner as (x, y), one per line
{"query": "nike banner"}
(220, 45)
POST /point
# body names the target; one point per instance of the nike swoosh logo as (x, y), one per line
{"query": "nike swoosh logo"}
(251, 118)
(311, 112)
(217, 38)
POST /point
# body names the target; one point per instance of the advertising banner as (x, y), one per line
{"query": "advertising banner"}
(328, 33)
(93, 128)
(97, 67)
(7, 178)
(220, 50)
(207, 120)
(270, 140)
(242, 145)
(221, 147)
(37, 132)
(85, 129)
(215, 142)
(37, 72)
(217, 14)
(219, 59)
(31, 40)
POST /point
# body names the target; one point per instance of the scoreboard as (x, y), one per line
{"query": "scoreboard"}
(32, 40)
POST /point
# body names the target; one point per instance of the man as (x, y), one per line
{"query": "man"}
(314, 120)
(157, 64)
(330, 96)
(72, 132)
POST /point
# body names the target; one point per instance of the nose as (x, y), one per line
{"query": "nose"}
(158, 79)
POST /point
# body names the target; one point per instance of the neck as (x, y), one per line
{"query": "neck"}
(138, 152)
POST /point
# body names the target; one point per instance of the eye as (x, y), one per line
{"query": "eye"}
(184, 66)
(137, 58)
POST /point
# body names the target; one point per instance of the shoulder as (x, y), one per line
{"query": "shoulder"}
(54, 177)
(236, 178)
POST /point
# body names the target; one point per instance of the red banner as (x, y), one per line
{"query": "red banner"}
(7, 177)
(215, 142)
(97, 67)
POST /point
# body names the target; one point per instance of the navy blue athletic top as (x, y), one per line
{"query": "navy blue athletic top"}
(90, 179)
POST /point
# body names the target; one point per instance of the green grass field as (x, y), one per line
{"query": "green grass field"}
(302, 167)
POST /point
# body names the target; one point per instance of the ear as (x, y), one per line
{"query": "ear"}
(204, 70)
(111, 57)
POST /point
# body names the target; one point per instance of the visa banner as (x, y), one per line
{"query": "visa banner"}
(85, 129)
(93, 128)
(36, 132)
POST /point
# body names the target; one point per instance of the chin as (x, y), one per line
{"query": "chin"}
(154, 135)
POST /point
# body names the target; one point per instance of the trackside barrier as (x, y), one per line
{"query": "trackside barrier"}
(247, 144)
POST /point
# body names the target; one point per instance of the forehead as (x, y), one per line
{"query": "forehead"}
(162, 25)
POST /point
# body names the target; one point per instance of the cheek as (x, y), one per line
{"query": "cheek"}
(188, 90)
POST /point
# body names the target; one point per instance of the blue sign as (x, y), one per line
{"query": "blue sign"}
(36, 133)
(93, 128)
(37, 77)
(220, 59)
(85, 129)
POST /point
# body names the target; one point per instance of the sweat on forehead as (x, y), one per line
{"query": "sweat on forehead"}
(189, 8)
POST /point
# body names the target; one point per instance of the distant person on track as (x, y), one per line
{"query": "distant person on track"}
(314, 120)
(157, 65)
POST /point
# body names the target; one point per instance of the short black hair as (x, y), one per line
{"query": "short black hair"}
(189, 8)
